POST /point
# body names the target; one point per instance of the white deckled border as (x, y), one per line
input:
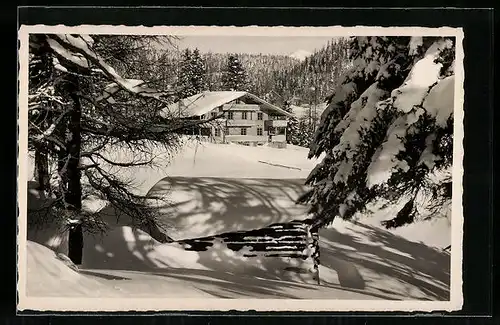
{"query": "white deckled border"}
(457, 213)
(155, 304)
(302, 31)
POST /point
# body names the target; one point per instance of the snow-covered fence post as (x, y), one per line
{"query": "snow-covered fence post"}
(315, 255)
(313, 234)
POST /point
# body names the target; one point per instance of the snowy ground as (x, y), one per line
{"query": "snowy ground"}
(360, 260)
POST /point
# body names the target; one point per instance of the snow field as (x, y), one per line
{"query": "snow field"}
(360, 260)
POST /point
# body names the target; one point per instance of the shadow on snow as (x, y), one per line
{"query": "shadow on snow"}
(365, 259)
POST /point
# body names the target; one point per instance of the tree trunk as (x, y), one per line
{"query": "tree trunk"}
(42, 169)
(73, 195)
(75, 243)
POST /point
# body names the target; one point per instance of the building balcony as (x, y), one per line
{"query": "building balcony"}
(254, 138)
(241, 123)
(275, 123)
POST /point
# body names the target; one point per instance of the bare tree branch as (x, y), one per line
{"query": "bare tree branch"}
(124, 164)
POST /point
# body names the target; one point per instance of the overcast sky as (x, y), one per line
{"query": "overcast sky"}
(253, 44)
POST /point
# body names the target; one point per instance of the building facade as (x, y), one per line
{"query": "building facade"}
(247, 124)
(237, 117)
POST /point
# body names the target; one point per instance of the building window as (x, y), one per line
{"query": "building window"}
(259, 116)
(243, 115)
(205, 132)
(277, 117)
(230, 115)
(217, 132)
(259, 131)
(243, 131)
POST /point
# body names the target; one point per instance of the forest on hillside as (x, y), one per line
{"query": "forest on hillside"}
(277, 78)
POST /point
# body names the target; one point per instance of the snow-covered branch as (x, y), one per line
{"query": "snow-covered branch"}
(75, 48)
(48, 132)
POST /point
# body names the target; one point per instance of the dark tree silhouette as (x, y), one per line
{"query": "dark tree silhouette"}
(80, 109)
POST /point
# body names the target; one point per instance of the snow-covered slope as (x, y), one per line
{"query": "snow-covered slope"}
(206, 159)
(48, 276)
(237, 161)
(359, 260)
(365, 257)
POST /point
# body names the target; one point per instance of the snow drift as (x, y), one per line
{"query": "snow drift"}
(50, 277)
(47, 275)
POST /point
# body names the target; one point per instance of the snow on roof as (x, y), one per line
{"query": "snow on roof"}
(206, 101)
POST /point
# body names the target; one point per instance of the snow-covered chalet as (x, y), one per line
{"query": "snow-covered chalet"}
(234, 116)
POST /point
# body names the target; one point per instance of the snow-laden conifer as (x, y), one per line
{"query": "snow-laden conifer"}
(387, 132)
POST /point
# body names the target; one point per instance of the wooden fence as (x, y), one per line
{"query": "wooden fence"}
(291, 239)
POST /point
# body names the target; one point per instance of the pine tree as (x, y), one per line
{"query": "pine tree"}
(234, 76)
(292, 131)
(198, 78)
(192, 73)
(186, 75)
(387, 132)
(82, 110)
(304, 132)
(292, 127)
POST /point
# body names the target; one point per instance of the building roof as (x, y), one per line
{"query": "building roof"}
(206, 101)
